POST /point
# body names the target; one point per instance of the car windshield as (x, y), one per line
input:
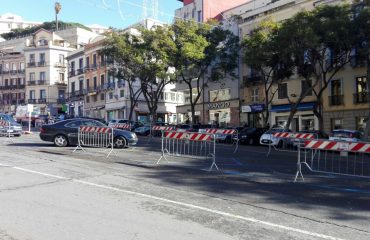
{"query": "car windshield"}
(7, 118)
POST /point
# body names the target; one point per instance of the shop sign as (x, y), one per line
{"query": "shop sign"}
(253, 108)
(219, 105)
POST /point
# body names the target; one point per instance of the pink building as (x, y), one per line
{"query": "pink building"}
(202, 10)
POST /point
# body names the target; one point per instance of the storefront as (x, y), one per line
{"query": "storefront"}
(304, 118)
(254, 114)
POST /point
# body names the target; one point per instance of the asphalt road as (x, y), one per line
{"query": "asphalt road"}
(52, 193)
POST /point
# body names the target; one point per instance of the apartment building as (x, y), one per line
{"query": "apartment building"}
(76, 81)
(252, 93)
(46, 71)
(96, 73)
(12, 81)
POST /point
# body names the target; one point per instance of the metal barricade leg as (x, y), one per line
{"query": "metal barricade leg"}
(163, 150)
(299, 166)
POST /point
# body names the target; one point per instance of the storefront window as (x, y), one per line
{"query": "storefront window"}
(219, 95)
(220, 117)
(361, 123)
(336, 123)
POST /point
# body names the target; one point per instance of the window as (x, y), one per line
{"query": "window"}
(102, 80)
(87, 83)
(87, 99)
(61, 77)
(95, 98)
(193, 13)
(95, 82)
(361, 123)
(199, 16)
(122, 93)
(361, 85)
(173, 97)
(61, 58)
(336, 97)
(74, 124)
(42, 94)
(73, 87)
(111, 95)
(32, 58)
(22, 66)
(217, 95)
(43, 42)
(94, 60)
(61, 94)
(42, 76)
(254, 95)
(80, 63)
(32, 76)
(336, 123)
(102, 96)
(282, 90)
(14, 67)
(306, 84)
(81, 84)
(32, 94)
(72, 67)
(42, 57)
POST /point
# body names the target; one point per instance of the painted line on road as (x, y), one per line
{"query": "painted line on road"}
(191, 206)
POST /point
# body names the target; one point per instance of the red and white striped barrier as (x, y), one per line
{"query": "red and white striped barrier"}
(163, 128)
(90, 129)
(294, 135)
(338, 146)
(188, 136)
(221, 131)
(124, 126)
(96, 137)
(188, 145)
(4, 123)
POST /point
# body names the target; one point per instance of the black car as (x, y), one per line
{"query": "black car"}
(65, 133)
(251, 136)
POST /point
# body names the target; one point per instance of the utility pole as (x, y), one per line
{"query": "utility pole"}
(57, 8)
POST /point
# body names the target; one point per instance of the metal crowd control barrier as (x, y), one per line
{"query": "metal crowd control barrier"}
(333, 157)
(225, 135)
(96, 137)
(123, 126)
(157, 131)
(5, 130)
(288, 141)
(189, 145)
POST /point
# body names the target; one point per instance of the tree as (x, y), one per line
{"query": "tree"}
(362, 51)
(156, 64)
(198, 48)
(264, 54)
(122, 58)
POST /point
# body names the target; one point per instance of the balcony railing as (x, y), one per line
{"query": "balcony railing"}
(60, 65)
(61, 82)
(42, 82)
(41, 100)
(80, 71)
(41, 64)
(362, 97)
(72, 73)
(31, 64)
(31, 83)
(336, 100)
(31, 100)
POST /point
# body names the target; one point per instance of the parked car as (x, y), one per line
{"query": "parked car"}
(268, 139)
(65, 133)
(115, 121)
(144, 130)
(346, 135)
(15, 128)
(250, 136)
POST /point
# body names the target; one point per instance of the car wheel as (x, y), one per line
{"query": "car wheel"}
(60, 141)
(251, 141)
(120, 142)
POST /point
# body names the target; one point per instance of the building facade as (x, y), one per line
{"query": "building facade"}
(9, 21)
(12, 81)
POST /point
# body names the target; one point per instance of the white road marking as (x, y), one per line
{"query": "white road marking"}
(192, 206)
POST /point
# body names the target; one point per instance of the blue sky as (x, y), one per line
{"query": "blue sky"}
(115, 13)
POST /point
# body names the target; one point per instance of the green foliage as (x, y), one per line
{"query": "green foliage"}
(15, 33)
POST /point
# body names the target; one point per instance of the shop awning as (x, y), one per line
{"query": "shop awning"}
(287, 107)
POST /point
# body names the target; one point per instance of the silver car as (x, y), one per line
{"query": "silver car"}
(15, 129)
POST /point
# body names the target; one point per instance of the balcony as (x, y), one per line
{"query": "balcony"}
(41, 100)
(61, 82)
(32, 101)
(72, 73)
(31, 64)
(60, 65)
(80, 71)
(251, 80)
(41, 64)
(31, 83)
(4, 72)
(42, 82)
(61, 100)
(361, 97)
(336, 100)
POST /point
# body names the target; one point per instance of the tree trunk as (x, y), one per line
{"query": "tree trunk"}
(317, 111)
(192, 108)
